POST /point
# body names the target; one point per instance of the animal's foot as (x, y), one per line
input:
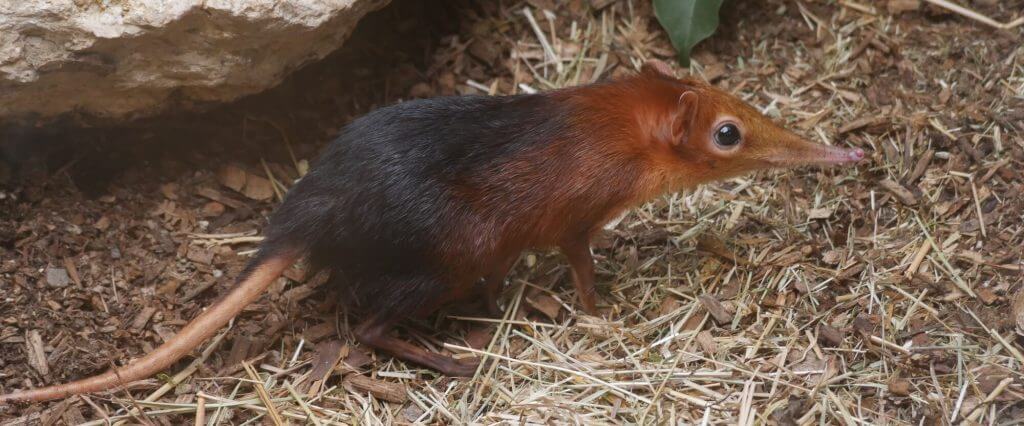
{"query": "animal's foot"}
(460, 368)
(493, 310)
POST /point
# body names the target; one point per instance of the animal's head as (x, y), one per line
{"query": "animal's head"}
(713, 135)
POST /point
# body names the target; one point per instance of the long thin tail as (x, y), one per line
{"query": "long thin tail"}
(193, 334)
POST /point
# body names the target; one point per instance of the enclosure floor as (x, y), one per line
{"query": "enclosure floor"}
(884, 293)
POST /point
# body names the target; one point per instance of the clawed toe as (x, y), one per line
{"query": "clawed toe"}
(494, 311)
(461, 368)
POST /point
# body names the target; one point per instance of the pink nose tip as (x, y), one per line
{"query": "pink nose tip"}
(857, 154)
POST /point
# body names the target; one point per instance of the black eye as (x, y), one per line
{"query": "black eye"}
(728, 135)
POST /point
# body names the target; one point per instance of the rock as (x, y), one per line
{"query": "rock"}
(126, 58)
(57, 277)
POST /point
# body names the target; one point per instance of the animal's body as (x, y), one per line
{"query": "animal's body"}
(431, 201)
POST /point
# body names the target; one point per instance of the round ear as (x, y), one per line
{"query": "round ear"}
(658, 68)
(685, 117)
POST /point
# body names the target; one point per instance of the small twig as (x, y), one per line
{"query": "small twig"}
(970, 419)
(999, 338)
(975, 15)
(977, 206)
(922, 252)
(613, 387)
(890, 345)
(200, 410)
(302, 404)
(945, 262)
(543, 40)
(274, 183)
(261, 391)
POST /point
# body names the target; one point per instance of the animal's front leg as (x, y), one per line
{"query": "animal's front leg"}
(578, 253)
(492, 286)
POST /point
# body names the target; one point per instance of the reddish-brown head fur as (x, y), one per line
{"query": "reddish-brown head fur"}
(695, 133)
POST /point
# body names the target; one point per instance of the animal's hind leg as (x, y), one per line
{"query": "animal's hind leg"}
(374, 333)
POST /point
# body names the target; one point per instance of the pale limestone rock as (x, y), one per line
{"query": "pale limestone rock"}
(128, 58)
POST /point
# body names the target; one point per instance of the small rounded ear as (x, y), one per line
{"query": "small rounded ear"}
(658, 68)
(685, 117)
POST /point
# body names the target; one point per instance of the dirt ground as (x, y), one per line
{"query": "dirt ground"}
(892, 292)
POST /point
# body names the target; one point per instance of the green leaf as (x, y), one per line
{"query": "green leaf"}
(687, 22)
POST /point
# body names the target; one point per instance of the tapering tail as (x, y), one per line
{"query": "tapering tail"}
(256, 279)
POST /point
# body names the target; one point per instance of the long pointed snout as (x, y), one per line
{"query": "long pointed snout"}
(795, 151)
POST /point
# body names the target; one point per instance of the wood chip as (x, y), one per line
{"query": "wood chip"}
(715, 246)
(861, 123)
(240, 347)
(143, 317)
(36, 352)
(545, 304)
(357, 359)
(212, 209)
(69, 265)
(298, 293)
(715, 308)
(169, 190)
(258, 188)
(899, 387)
(320, 331)
(833, 256)
(387, 391)
(970, 150)
(328, 355)
(865, 325)
(828, 336)
(600, 4)
(902, 193)
(215, 195)
(169, 288)
(73, 416)
(102, 224)
(920, 167)
(850, 271)
(707, 343)
(200, 255)
(197, 290)
(668, 305)
(53, 415)
(900, 6)
(820, 213)
(232, 177)
(412, 412)
(987, 296)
